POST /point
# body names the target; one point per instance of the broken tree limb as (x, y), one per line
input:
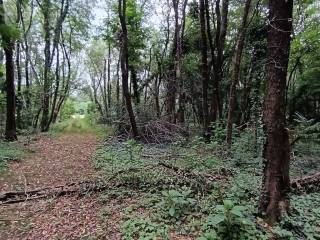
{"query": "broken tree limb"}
(57, 191)
(307, 184)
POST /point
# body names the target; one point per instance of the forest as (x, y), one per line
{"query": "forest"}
(160, 119)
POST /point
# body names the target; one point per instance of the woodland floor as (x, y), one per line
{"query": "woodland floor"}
(52, 161)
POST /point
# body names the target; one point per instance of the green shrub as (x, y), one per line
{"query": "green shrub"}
(230, 223)
(143, 229)
(177, 203)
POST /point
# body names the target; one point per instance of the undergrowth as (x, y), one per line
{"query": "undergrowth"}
(9, 152)
(175, 202)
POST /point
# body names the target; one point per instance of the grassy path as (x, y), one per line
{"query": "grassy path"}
(54, 161)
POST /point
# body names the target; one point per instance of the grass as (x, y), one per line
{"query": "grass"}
(9, 152)
(81, 126)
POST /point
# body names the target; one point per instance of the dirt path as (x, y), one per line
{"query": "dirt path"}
(54, 161)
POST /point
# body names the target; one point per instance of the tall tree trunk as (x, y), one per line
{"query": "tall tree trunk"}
(236, 70)
(171, 90)
(19, 82)
(46, 75)
(104, 87)
(109, 89)
(204, 71)
(276, 181)
(125, 66)
(118, 80)
(220, 38)
(180, 80)
(8, 45)
(26, 30)
(56, 91)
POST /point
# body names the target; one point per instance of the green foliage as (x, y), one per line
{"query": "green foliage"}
(133, 148)
(9, 152)
(9, 33)
(229, 222)
(67, 110)
(177, 203)
(304, 219)
(143, 229)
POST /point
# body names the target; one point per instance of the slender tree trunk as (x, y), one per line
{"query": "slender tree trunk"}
(204, 71)
(118, 80)
(109, 90)
(276, 181)
(236, 70)
(26, 30)
(56, 91)
(46, 75)
(180, 80)
(125, 66)
(104, 87)
(19, 82)
(220, 38)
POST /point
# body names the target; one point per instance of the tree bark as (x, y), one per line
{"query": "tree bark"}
(46, 75)
(180, 80)
(109, 88)
(236, 70)
(276, 181)
(220, 38)
(8, 45)
(204, 71)
(125, 66)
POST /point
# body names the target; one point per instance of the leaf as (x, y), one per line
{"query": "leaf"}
(220, 208)
(228, 204)
(236, 212)
(172, 211)
(215, 220)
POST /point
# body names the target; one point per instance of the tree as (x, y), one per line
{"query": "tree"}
(236, 70)
(125, 65)
(276, 181)
(204, 71)
(8, 45)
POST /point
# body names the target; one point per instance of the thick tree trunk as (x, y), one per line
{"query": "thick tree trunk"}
(276, 181)
(10, 133)
(125, 67)
(8, 45)
(236, 70)
(204, 71)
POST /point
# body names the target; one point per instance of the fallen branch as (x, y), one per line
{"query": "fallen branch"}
(57, 191)
(307, 184)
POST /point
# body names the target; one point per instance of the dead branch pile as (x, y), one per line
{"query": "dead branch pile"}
(307, 184)
(154, 132)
